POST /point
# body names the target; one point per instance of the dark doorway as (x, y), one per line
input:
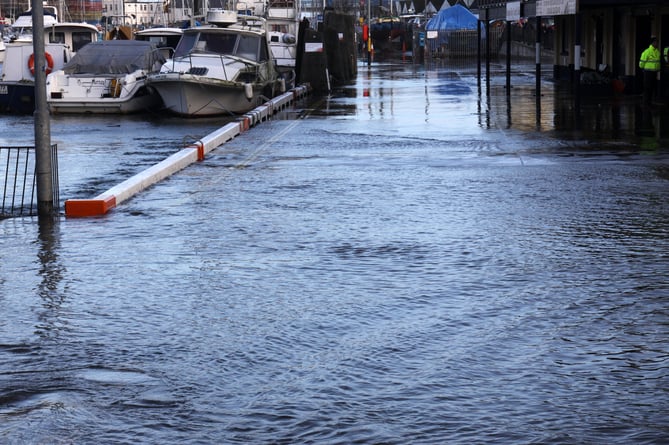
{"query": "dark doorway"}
(643, 33)
(664, 43)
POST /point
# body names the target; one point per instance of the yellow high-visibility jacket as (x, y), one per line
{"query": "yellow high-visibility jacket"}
(650, 59)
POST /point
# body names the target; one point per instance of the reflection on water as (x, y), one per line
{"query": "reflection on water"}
(51, 273)
(441, 82)
(406, 262)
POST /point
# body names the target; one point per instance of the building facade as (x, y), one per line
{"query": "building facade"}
(594, 35)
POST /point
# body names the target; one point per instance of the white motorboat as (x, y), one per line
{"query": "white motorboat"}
(225, 68)
(107, 77)
(22, 28)
(17, 81)
(283, 23)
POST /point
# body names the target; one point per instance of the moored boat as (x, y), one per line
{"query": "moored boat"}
(22, 28)
(106, 77)
(283, 23)
(224, 68)
(17, 81)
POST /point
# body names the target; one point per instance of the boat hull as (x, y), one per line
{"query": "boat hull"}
(195, 96)
(17, 84)
(17, 97)
(136, 104)
(100, 95)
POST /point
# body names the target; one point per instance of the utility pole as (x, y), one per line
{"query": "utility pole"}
(369, 32)
(43, 164)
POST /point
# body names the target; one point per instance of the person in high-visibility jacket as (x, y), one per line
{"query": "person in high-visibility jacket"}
(650, 63)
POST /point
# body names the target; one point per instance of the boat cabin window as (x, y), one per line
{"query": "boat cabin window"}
(264, 52)
(279, 28)
(246, 46)
(186, 43)
(251, 47)
(56, 37)
(79, 39)
(160, 41)
(214, 43)
(219, 43)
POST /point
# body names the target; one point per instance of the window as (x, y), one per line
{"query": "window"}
(80, 39)
(248, 47)
(186, 43)
(220, 43)
(56, 37)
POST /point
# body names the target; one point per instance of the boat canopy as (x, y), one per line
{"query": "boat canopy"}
(115, 57)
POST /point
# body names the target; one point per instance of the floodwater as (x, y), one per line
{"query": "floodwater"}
(418, 258)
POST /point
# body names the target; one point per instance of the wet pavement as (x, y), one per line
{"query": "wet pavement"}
(417, 258)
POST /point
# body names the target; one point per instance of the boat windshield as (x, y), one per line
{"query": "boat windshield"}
(241, 45)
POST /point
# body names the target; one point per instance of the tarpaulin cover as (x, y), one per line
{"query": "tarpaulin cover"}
(115, 57)
(455, 18)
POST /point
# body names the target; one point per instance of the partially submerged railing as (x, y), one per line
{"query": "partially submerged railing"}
(19, 179)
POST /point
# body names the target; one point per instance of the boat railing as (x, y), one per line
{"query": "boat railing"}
(158, 58)
(250, 22)
(167, 51)
(228, 59)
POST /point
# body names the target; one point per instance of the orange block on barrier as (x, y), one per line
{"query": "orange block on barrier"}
(89, 207)
(244, 124)
(200, 151)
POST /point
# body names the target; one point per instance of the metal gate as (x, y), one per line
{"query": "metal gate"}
(462, 43)
(17, 173)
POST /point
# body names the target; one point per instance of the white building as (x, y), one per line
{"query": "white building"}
(146, 13)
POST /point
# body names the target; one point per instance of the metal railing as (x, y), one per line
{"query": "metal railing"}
(18, 176)
(462, 43)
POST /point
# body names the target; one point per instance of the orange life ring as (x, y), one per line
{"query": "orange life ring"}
(49, 63)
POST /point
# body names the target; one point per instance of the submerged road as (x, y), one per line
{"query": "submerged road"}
(413, 259)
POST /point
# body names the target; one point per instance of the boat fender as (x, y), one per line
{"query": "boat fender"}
(49, 63)
(282, 85)
(248, 91)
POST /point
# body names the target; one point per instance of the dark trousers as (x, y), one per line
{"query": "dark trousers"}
(649, 83)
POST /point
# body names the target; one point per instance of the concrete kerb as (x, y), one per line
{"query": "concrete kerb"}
(106, 201)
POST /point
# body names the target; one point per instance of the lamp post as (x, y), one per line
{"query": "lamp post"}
(43, 164)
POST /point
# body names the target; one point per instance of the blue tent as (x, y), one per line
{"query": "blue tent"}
(455, 18)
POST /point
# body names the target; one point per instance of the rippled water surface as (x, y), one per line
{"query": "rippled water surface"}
(407, 261)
